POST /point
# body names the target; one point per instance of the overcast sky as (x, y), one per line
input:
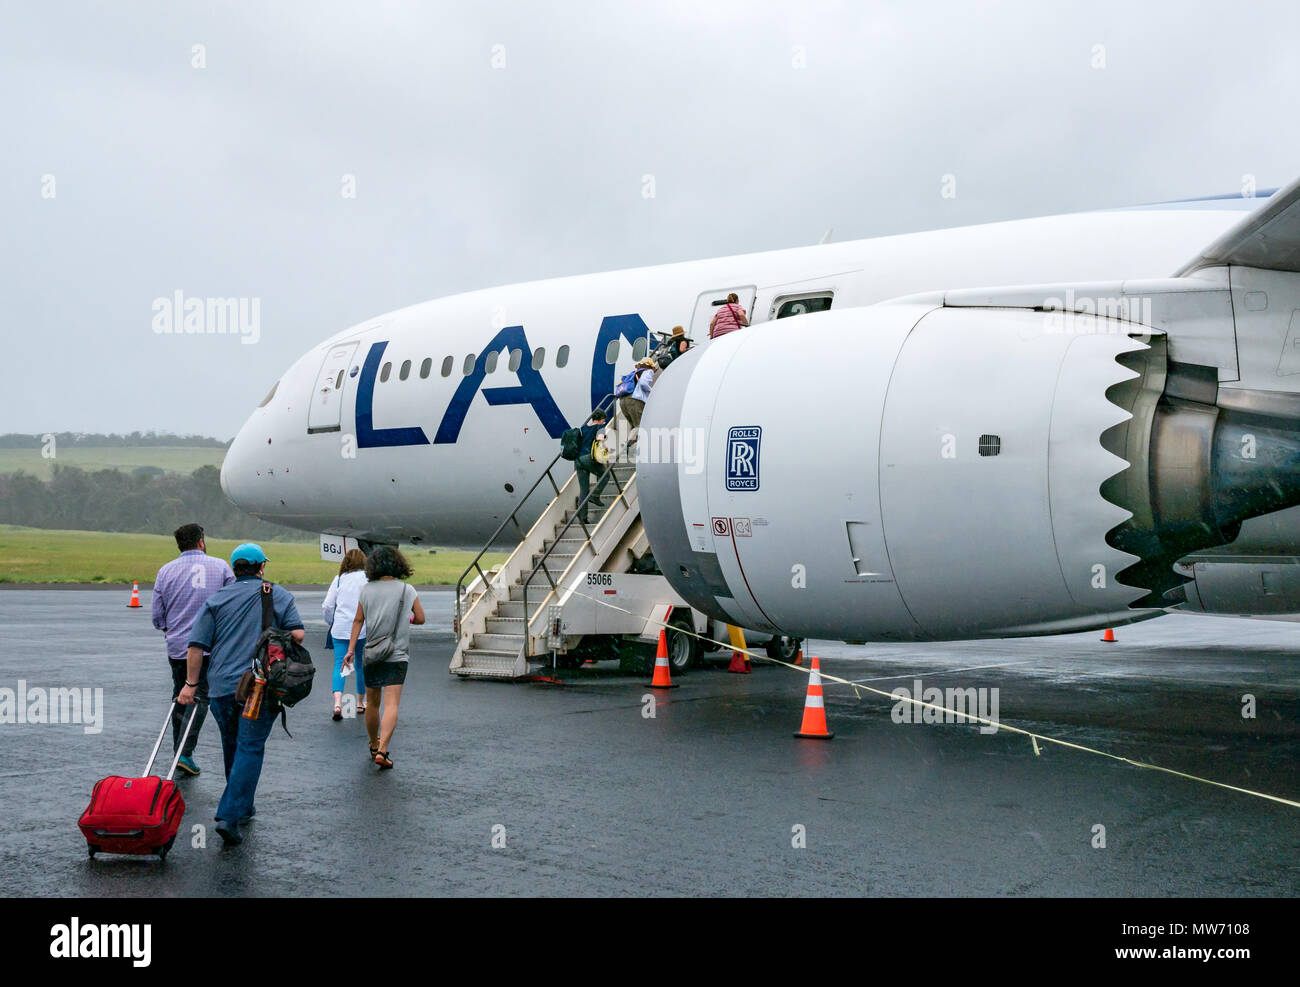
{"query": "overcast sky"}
(762, 124)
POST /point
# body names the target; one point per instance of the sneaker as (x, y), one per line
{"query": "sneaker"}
(187, 765)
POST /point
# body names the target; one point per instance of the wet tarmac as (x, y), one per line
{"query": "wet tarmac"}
(534, 790)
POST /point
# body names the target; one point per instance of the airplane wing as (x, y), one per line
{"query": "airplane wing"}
(1267, 238)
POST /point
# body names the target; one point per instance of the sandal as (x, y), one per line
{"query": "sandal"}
(361, 708)
(383, 759)
(338, 713)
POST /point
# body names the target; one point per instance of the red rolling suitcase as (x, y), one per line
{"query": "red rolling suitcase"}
(137, 815)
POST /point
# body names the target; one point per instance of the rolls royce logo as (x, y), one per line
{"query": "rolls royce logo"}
(742, 457)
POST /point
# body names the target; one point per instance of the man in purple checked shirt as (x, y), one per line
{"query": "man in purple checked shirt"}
(181, 588)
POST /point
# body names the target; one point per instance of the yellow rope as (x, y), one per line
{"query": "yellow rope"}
(1033, 737)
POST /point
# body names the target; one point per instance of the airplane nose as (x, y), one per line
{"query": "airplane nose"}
(237, 472)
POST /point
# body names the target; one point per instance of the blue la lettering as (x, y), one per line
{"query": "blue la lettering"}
(629, 327)
(369, 437)
(530, 390)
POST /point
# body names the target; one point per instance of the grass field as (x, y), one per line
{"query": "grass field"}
(34, 555)
(170, 459)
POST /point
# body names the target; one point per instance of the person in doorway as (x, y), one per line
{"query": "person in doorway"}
(728, 318)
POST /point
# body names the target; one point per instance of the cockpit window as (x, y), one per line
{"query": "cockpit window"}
(267, 400)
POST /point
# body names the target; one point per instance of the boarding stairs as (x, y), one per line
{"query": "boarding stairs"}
(503, 615)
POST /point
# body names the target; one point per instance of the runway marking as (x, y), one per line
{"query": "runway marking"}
(1034, 738)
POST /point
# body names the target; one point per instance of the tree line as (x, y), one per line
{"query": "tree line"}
(111, 500)
(84, 440)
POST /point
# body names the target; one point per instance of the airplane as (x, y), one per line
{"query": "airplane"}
(1026, 427)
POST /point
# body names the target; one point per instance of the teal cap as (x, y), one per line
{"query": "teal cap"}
(248, 552)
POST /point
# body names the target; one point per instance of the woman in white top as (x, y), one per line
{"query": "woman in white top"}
(339, 609)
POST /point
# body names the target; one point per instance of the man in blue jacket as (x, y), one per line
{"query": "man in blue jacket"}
(227, 627)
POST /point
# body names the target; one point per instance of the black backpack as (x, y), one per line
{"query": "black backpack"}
(289, 671)
(571, 444)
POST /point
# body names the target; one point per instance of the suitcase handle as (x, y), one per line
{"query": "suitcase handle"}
(148, 768)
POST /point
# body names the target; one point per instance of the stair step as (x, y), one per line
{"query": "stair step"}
(556, 562)
(536, 594)
(510, 610)
(487, 664)
(512, 643)
(507, 625)
(565, 544)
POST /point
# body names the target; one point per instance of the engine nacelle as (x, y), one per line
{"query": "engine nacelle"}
(898, 472)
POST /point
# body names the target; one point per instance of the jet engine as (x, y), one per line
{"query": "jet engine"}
(908, 471)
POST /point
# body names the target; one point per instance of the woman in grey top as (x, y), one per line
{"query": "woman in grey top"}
(387, 608)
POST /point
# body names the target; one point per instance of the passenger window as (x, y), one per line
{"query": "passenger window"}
(425, 367)
(539, 357)
(516, 358)
(383, 374)
(405, 371)
(611, 352)
(447, 364)
(469, 364)
(490, 364)
(562, 357)
(639, 348)
(801, 306)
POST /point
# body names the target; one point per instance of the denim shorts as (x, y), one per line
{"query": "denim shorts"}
(383, 673)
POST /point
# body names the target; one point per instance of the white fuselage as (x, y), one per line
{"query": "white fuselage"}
(349, 444)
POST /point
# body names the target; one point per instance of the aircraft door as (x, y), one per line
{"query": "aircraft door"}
(708, 303)
(327, 399)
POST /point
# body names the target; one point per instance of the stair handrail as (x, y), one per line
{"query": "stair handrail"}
(559, 535)
(514, 517)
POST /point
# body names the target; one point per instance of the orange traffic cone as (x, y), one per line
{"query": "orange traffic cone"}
(739, 659)
(798, 658)
(135, 595)
(814, 707)
(1109, 636)
(663, 678)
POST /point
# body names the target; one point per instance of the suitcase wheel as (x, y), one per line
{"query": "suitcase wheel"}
(162, 850)
(93, 850)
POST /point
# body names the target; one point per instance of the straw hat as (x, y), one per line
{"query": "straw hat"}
(678, 332)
